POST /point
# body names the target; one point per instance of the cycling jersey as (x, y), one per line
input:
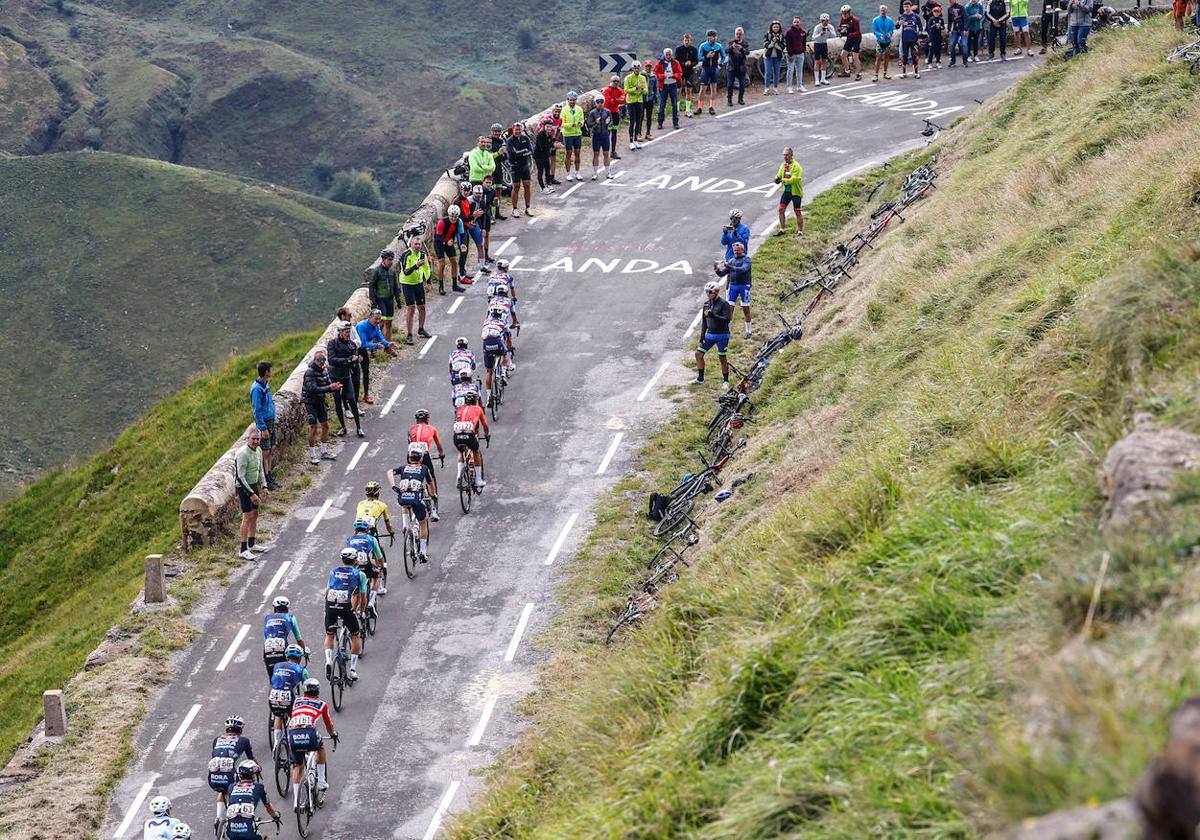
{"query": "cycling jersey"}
(711, 55)
(227, 751)
(458, 394)
(461, 357)
(244, 798)
(374, 508)
(495, 335)
(285, 676)
(307, 711)
(344, 581)
(501, 279)
(472, 414)
(410, 482)
(422, 433)
(366, 546)
(910, 25)
(277, 628)
(505, 304)
(159, 828)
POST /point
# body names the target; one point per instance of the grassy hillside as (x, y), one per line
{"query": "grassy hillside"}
(122, 277)
(879, 636)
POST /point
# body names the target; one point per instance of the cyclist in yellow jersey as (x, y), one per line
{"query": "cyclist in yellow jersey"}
(374, 507)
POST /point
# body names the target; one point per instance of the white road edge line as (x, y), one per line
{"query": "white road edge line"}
(237, 641)
(133, 809)
(771, 227)
(670, 133)
(646, 390)
(499, 252)
(608, 456)
(283, 567)
(578, 184)
(518, 632)
(562, 538)
(362, 447)
(392, 399)
(742, 110)
(488, 707)
(442, 807)
(454, 306)
(312, 526)
(837, 178)
(425, 347)
(182, 730)
(695, 323)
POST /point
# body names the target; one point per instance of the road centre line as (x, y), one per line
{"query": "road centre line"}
(362, 447)
(767, 231)
(425, 347)
(134, 807)
(670, 133)
(392, 400)
(499, 252)
(488, 707)
(646, 390)
(562, 538)
(578, 184)
(440, 813)
(454, 306)
(279, 573)
(522, 622)
(608, 456)
(695, 323)
(237, 640)
(182, 730)
(312, 526)
(742, 110)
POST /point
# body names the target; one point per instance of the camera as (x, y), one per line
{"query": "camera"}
(405, 234)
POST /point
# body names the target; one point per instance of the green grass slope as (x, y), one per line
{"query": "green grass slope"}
(879, 634)
(122, 277)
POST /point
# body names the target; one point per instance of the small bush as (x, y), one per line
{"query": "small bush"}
(93, 138)
(357, 187)
(322, 170)
(525, 36)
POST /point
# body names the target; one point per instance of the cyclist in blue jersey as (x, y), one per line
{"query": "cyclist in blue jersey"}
(370, 556)
(410, 482)
(227, 751)
(278, 626)
(465, 385)
(461, 358)
(503, 274)
(497, 344)
(245, 796)
(284, 679)
(503, 299)
(344, 594)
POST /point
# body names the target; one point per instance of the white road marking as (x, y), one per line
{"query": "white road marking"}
(279, 573)
(578, 184)
(442, 807)
(516, 636)
(499, 252)
(608, 456)
(850, 172)
(143, 791)
(312, 526)
(612, 182)
(562, 538)
(670, 133)
(182, 730)
(646, 391)
(425, 347)
(695, 323)
(742, 110)
(362, 447)
(237, 640)
(454, 306)
(840, 88)
(533, 221)
(488, 707)
(392, 400)
(769, 228)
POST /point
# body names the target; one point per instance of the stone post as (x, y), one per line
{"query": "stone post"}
(55, 708)
(156, 584)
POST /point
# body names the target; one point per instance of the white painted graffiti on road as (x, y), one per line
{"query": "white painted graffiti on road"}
(616, 265)
(909, 103)
(694, 183)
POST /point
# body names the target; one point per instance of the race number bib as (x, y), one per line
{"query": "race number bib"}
(280, 697)
(338, 596)
(274, 645)
(220, 764)
(462, 427)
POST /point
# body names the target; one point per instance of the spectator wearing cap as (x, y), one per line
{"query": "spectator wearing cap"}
(546, 142)
(688, 57)
(519, 149)
(598, 119)
(712, 59)
(796, 40)
(883, 28)
(315, 386)
(652, 90)
(635, 96)
(736, 270)
(382, 291)
(733, 232)
(614, 101)
(370, 341)
(715, 317)
(572, 131)
(822, 63)
(343, 354)
(774, 51)
(449, 240)
(850, 28)
(248, 481)
(669, 74)
(738, 52)
(262, 402)
(414, 271)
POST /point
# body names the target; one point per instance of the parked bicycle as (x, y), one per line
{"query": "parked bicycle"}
(681, 500)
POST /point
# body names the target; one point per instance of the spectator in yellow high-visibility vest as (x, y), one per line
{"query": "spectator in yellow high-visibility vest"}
(790, 175)
(572, 133)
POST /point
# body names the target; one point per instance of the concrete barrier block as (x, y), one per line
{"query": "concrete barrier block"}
(54, 706)
(156, 583)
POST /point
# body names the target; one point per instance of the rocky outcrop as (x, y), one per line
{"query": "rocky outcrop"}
(1116, 820)
(1140, 468)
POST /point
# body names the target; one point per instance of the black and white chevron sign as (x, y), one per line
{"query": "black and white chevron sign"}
(616, 62)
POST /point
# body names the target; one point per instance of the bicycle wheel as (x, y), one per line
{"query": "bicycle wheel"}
(372, 620)
(304, 811)
(270, 725)
(464, 489)
(318, 794)
(410, 555)
(494, 400)
(362, 633)
(283, 769)
(673, 516)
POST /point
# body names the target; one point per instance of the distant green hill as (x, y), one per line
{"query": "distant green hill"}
(122, 277)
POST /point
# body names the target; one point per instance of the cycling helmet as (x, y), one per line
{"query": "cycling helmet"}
(464, 185)
(477, 189)
(349, 553)
(496, 312)
(387, 255)
(735, 213)
(502, 264)
(364, 523)
(471, 398)
(464, 376)
(372, 489)
(248, 769)
(422, 415)
(825, 17)
(502, 290)
(160, 806)
(572, 95)
(712, 33)
(312, 686)
(235, 722)
(711, 286)
(181, 831)
(281, 602)
(497, 127)
(845, 8)
(454, 211)
(295, 651)
(343, 325)
(461, 344)
(415, 456)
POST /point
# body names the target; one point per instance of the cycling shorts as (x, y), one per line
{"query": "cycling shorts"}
(1020, 24)
(370, 570)
(466, 440)
(414, 294)
(853, 45)
(317, 412)
(302, 740)
(441, 249)
(271, 660)
(820, 52)
(490, 355)
(242, 829)
(600, 141)
(220, 782)
(521, 171)
(476, 234)
(789, 198)
(417, 507)
(247, 504)
(709, 75)
(575, 142)
(280, 700)
(387, 308)
(740, 292)
(721, 340)
(333, 613)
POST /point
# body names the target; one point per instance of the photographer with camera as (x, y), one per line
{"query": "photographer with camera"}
(733, 232)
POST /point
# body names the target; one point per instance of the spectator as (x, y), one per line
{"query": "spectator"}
(652, 89)
(370, 342)
(1178, 12)
(956, 22)
(736, 271)
(502, 174)
(470, 213)
(248, 481)
(598, 119)
(936, 25)
(381, 289)
(909, 24)
(481, 161)
(688, 56)
(791, 176)
(1079, 23)
(712, 57)
(1020, 25)
(449, 240)
(738, 52)
(414, 271)
(519, 150)
(714, 330)
(556, 121)
(614, 101)
(262, 401)
(883, 28)
(635, 95)
(1049, 23)
(796, 39)
(483, 199)
(356, 369)
(669, 75)
(733, 232)
(316, 385)
(850, 29)
(997, 16)
(975, 13)
(545, 145)
(572, 130)
(774, 49)
(343, 354)
(822, 64)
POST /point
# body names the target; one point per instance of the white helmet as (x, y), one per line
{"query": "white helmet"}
(501, 289)
(454, 211)
(735, 213)
(845, 8)
(349, 554)
(160, 806)
(711, 286)
(281, 602)
(461, 342)
(181, 831)
(414, 448)
(502, 264)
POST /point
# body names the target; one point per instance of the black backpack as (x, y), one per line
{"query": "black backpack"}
(658, 506)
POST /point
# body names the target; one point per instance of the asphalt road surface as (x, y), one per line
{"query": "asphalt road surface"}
(609, 277)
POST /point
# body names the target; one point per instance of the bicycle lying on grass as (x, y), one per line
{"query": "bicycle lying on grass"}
(681, 500)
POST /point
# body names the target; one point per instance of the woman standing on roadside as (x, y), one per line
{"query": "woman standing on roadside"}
(774, 49)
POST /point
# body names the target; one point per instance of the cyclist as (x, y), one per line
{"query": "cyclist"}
(277, 627)
(501, 298)
(181, 831)
(245, 796)
(461, 355)
(227, 749)
(410, 481)
(497, 344)
(467, 420)
(424, 433)
(284, 679)
(503, 274)
(376, 508)
(370, 555)
(344, 594)
(161, 823)
(465, 385)
(303, 738)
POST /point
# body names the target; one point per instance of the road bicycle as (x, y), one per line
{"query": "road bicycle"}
(681, 500)
(342, 639)
(364, 614)
(410, 535)
(677, 543)
(467, 486)
(790, 333)
(383, 569)
(724, 438)
(731, 402)
(640, 602)
(310, 799)
(223, 828)
(281, 758)
(1187, 54)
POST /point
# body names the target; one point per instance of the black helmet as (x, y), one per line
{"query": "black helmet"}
(387, 255)
(497, 127)
(422, 415)
(373, 489)
(471, 398)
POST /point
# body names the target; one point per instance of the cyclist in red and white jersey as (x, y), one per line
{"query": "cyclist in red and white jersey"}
(467, 420)
(302, 735)
(426, 435)
(461, 358)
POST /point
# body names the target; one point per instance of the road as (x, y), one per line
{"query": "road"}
(609, 277)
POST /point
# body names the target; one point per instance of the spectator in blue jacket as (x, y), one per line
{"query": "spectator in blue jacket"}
(883, 28)
(371, 340)
(262, 402)
(733, 232)
(736, 272)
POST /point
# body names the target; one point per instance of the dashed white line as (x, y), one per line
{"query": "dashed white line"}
(518, 632)
(608, 456)
(571, 190)
(362, 447)
(695, 323)
(488, 707)
(237, 640)
(741, 110)
(312, 526)
(504, 246)
(562, 538)
(670, 133)
(392, 399)
(440, 813)
(533, 220)
(279, 573)
(182, 730)
(454, 306)
(143, 791)
(646, 390)
(425, 347)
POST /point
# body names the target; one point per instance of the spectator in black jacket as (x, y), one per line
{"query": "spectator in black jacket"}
(545, 143)
(997, 19)
(738, 51)
(520, 156)
(381, 288)
(688, 56)
(343, 355)
(956, 25)
(312, 393)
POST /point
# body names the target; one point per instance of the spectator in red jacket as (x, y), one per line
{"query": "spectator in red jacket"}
(614, 101)
(850, 29)
(796, 38)
(669, 74)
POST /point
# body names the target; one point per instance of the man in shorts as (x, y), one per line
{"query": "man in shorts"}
(883, 28)
(572, 134)
(737, 271)
(850, 29)
(449, 240)
(467, 419)
(312, 392)
(791, 176)
(381, 289)
(688, 56)
(714, 331)
(345, 596)
(415, 270)
(1020, 25)
(262, 402)
(711, 56)
(411, 482)
(248, 481)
